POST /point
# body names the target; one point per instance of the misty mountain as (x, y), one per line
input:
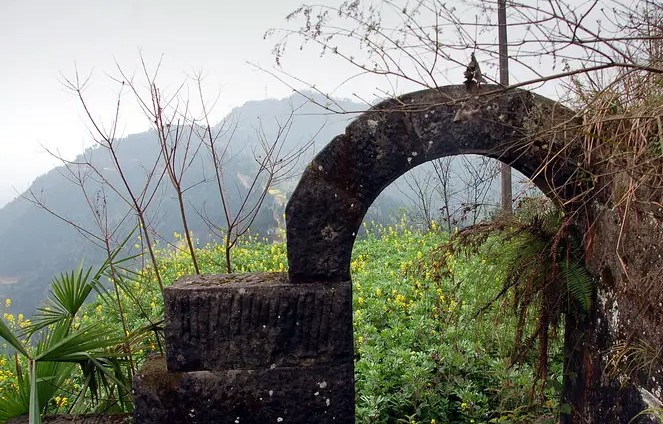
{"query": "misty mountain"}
(35, 244)
(89, 192)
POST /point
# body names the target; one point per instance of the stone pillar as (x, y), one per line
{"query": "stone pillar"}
(249, 349)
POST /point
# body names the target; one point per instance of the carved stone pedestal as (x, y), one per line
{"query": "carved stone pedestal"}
(251, 348)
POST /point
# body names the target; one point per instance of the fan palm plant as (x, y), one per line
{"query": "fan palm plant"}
(62, 344)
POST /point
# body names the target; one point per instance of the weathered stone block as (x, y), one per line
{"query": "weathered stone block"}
(260, 320)
(306, 394)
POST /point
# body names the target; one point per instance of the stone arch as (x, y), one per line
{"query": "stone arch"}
(258, 346)
(325, 211)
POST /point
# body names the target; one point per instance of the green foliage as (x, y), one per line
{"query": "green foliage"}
(578, 282)
(422, 353)
(654, 413)
(62, 342)
(536, 255)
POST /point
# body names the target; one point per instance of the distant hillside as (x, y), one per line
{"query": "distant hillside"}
(35, 245)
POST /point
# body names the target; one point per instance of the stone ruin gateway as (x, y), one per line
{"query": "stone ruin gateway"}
(275, 347)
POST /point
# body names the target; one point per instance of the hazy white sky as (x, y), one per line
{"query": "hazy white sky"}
(42, 41)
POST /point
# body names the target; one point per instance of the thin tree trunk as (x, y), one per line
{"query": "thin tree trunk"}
(507, 195)
(185, 224)
(125, 347)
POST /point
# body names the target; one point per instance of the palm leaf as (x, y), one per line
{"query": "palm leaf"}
(76, 346)
(50, 378)
(8, 335)
(15, 403)
(110, 369)
(105, 374)
(59, 350)
(47, 377)
(113, 262)
(69, 291)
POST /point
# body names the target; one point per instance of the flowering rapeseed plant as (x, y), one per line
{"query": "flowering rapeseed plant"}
(421, 355)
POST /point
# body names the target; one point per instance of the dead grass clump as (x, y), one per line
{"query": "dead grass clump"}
(622, 133)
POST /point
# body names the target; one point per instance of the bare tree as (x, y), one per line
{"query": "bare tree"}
(555, 45)
(106, 234)
(423, 41)
(454, 190)
(273, 165)
(107, 139)
(478, 177)
(179, 148)
(444, 188)
(420, 192)
(184, 136)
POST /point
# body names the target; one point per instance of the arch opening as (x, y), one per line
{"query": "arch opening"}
(434, 332)
(426, 330)
(452, 192)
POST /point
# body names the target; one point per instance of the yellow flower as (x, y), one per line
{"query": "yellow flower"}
(433, 420)
(8, 303)
(452, 305)
(360, 301)
(463, 406)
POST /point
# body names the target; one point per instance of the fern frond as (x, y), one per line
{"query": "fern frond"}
(578, 283)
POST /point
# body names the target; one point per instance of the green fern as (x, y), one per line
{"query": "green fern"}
(579, 283)
(529, 251)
